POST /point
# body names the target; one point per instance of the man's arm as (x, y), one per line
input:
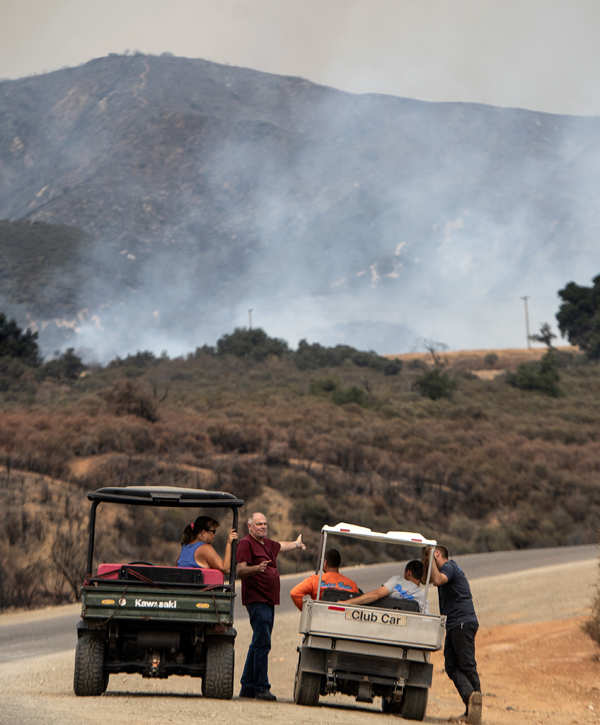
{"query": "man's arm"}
(289, 545)
(368, 597)
(438, 579)
(301, 589)
(244, 569)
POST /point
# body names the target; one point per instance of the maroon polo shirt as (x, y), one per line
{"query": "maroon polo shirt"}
(262, 586)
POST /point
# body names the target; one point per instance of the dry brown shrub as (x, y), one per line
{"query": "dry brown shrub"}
(128, 398)
(236, 438)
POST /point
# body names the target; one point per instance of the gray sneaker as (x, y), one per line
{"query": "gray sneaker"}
(474, 709)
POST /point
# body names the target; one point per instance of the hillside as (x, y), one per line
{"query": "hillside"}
(494, 467)
(203, 190)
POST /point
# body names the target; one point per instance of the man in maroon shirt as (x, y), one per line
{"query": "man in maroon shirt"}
(257, 567)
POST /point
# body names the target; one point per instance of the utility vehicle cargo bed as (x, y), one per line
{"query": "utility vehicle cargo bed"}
(371, 624)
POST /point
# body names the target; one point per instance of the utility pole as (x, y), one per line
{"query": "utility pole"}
(525, 298)
(250, 318)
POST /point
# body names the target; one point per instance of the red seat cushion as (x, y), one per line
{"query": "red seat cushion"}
(211, 577)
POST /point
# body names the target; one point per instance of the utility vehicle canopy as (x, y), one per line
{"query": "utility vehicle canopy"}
(173, 496)
(354, 531)
(165, 496)
(407, 538)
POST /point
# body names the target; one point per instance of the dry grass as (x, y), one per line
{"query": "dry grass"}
(492, 468)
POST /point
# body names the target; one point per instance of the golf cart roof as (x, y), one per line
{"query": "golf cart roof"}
(165, 496)
(408, 538)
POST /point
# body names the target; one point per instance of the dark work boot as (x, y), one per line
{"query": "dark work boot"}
(265, 695)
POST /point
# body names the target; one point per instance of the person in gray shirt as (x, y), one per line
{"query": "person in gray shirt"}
(398, 587)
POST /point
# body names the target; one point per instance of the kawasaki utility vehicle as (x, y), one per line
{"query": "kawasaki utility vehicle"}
(156, 620)
(372, 650)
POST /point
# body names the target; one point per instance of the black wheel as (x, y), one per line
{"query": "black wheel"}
(307, 687)
(89, 677)
(391, 705)
(414, 703)
(218, 676)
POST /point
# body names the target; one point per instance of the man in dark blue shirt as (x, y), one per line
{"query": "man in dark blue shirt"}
(456, 603)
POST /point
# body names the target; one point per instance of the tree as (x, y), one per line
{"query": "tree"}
(436, 382)
(253, 343)
(16, 343)
(579, 316)
(545, 335)
(67, 366)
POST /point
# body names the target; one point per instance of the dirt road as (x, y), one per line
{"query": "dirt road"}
(536, 666)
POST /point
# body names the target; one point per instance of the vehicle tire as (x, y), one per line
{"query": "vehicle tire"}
(218, 676)
(391, 706)
(414, 702)
(89, 677)
(307, 687)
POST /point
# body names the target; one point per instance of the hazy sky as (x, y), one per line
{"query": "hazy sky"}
(536, 54)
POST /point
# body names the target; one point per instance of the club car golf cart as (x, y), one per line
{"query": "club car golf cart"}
(372, 650)
(156, 620)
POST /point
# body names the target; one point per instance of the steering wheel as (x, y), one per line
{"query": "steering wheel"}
(145, 563)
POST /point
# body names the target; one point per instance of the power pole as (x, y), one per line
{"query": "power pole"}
(250, 318)
(525, 298)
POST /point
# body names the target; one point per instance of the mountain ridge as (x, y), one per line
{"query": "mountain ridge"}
(223, 188)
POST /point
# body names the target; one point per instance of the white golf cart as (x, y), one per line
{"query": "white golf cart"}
(372, 650)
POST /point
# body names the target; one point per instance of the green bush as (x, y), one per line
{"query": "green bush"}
(67, 366)
(253, 343)
(353, 394)
(435, 383)
(392, 367)
(490, 360)
(323, 385)
(311, 356)
(540, 376)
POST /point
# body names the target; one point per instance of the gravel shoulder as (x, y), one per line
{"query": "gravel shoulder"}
(536, 666)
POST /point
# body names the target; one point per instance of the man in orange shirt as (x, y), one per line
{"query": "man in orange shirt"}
(331, 579)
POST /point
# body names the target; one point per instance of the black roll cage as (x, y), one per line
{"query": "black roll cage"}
(166, 496)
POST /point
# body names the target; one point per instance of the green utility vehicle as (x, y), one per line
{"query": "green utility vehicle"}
(156, 620)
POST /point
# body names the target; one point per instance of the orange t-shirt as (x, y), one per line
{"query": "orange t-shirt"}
(330, 580)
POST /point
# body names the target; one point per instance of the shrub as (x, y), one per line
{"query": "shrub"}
(392, 367)
(128, 399)
(234, 438)
(253, 343)
(324, 385)
(435, 383)
(141, 359)
(490, 360)
(310, 356)
(311, 512)
(592, 626)
(67, 366)
(353, 394)
(541, 376)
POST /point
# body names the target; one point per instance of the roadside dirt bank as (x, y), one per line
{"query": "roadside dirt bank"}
(536, 666)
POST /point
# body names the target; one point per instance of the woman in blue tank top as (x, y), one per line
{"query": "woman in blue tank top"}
(197, 545)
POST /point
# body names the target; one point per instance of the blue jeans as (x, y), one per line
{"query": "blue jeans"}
(255, 677)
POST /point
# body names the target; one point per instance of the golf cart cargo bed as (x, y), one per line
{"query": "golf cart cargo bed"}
(369, 624)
